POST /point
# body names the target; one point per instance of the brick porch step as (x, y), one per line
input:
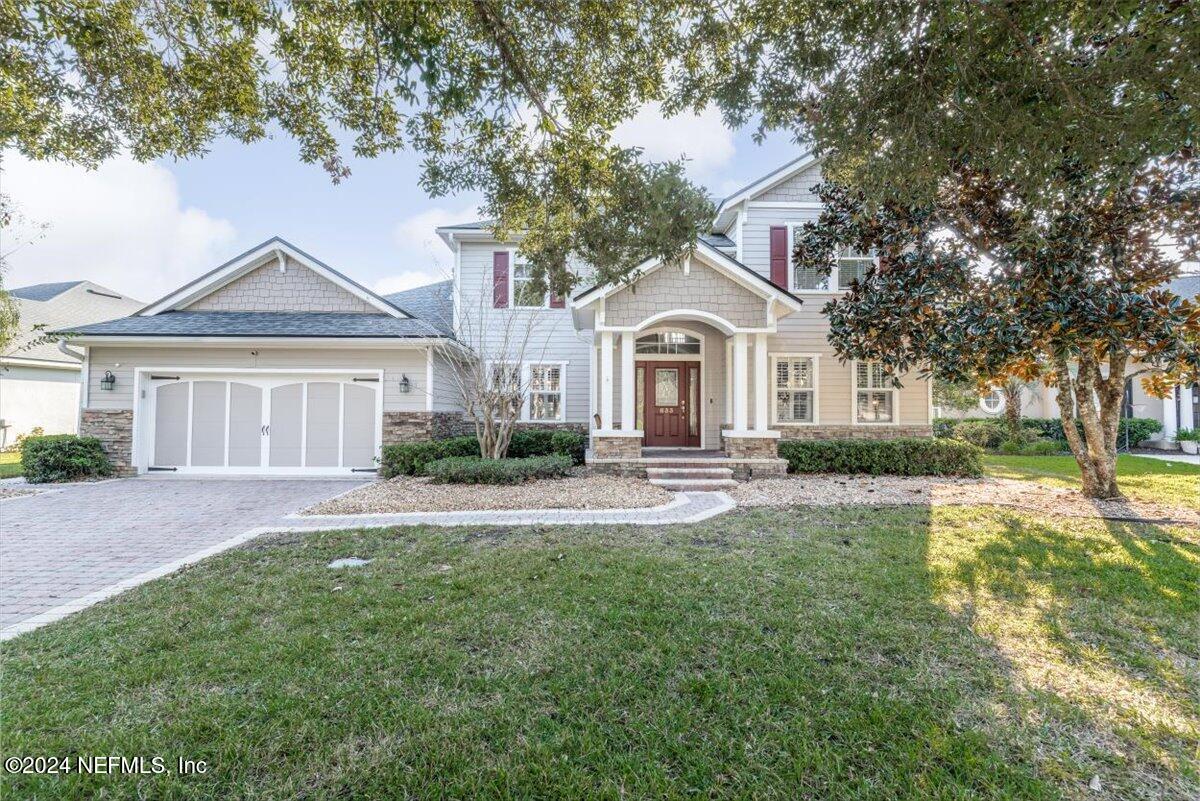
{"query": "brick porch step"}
(691, 479)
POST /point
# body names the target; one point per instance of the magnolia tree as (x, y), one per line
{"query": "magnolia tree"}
(490, 377)
(988, 285)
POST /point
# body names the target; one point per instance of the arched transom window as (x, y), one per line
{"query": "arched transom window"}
(671, 342)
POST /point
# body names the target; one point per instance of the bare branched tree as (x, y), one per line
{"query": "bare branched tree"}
(488, 361)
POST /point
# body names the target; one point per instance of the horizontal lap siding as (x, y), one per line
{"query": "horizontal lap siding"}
(123, 360)
(553, 336)
(756, 235)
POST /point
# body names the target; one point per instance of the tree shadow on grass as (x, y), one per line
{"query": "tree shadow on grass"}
(1097, 622)
(857, 653)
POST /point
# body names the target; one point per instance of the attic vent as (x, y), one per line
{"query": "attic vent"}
(104, 294)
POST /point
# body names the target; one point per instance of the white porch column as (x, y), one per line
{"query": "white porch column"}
(762, 383)
(606, 380)
(628, 384)
(1170, 421)
(1186, 407)
(740, 387)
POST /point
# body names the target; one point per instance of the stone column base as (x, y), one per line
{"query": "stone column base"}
(114, 429)
(615, 445)
(751, 444)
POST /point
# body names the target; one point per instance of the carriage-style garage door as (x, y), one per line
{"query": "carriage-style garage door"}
(287, 424)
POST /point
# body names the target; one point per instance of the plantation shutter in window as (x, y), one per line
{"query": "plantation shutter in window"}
(779, 256)
(500, 279)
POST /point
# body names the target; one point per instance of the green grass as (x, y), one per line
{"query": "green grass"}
(1169, 483)
(10, 464)
(945, 653)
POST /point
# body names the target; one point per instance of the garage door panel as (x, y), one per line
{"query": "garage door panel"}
(245, 425)
(208, 423)
(321, 424)
(171, 424)
(287, 415)
(358, 426)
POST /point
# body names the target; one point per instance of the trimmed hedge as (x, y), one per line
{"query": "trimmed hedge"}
(63, 457)
(476, 470)
(411, 458)
(980, 433)
(906, 456)
(1140, 428)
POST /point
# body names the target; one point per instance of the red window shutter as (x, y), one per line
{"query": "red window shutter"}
(557, 302)
(500, 279)
(779, 256)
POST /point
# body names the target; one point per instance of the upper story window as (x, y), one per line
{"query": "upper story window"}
(851, 264)
(671, 342)
(523, 294)
(874, 394)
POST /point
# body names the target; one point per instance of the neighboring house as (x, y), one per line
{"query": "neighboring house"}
(1181, 410)
(276, 363)
(39, 383)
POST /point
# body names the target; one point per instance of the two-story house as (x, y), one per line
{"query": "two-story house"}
(276, 363)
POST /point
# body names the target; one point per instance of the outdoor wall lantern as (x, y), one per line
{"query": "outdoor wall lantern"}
(109, 381)
(405, 385)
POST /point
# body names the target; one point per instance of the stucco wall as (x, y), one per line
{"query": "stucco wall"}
(268, 289)
(33, 397)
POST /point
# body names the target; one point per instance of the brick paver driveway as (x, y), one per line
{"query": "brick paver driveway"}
(59, 547)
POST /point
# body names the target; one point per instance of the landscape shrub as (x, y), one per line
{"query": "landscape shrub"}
(943, 427)
(477, 470)
(569, 443)
(63, 457)
(908, 456)
(530, 442)
(1140, 428)
(980, 433)
(410, 458)
(1043, 447)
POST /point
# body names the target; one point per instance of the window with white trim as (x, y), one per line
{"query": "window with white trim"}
(545, 392)
(795, 389)
(850, 264)
(874, 394)
(523, 294)
(506, 384)
(993, 402)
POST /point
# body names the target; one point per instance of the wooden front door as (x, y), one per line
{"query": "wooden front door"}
(671, 406)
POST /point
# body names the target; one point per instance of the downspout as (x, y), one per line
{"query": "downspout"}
(77, 356)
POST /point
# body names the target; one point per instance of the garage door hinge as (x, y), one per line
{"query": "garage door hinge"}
(163, 469)
(164, 378)
(365, 379)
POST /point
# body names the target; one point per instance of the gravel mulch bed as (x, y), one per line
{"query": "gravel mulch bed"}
(830, 490)
(407, 494)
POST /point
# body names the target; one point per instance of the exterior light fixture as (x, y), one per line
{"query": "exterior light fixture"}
(405, 385)
(109, 381)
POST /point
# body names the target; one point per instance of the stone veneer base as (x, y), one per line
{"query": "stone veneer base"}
(855, 432)
(114, 429)
(616, 447)
(401, 427)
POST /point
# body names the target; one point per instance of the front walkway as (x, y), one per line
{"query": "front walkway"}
(68, 547)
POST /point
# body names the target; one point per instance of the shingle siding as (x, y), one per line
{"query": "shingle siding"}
(702, 288)
(797, 188)
(297, 289)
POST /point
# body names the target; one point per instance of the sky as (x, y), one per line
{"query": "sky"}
(146, 229)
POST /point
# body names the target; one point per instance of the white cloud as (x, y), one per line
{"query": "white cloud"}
(702, 138)
(422, 251)
(122, 226)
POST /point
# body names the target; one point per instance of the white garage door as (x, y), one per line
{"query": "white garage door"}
(286, 424)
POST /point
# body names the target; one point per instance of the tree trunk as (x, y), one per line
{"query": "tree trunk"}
(1099, 415)
(1011, 391)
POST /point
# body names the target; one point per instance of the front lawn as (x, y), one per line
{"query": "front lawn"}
(1167, 483)
(10, 464)
(944, 653)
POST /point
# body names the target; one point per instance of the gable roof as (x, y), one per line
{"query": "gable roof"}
(722, 261)
(54, 306)
(261, 324)
(432, 304)
(725, 210)
(251, 260)
(43, 292)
